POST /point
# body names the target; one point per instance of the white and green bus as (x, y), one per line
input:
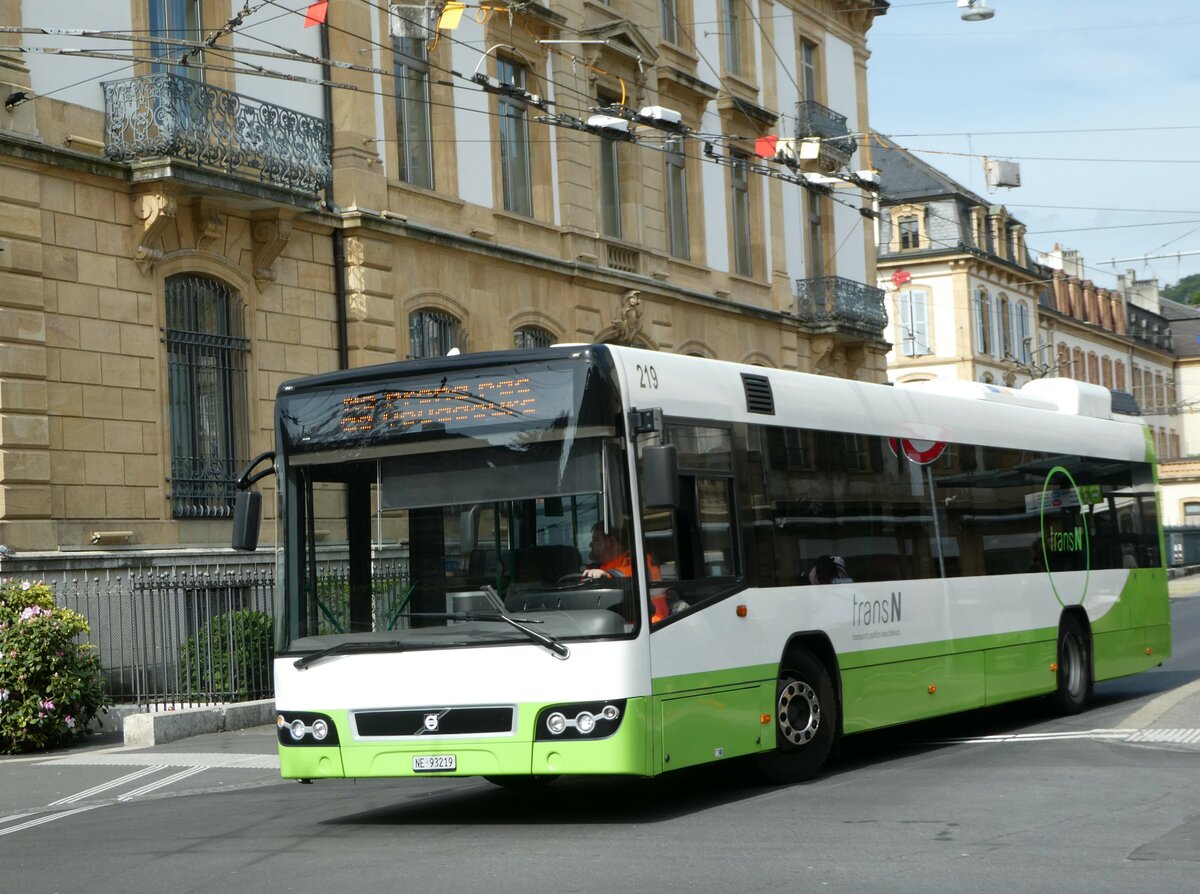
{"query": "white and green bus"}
(807, 558)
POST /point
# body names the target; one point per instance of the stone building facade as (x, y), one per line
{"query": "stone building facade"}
(191, 214)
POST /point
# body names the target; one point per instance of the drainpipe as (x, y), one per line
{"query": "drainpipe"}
(339, 236)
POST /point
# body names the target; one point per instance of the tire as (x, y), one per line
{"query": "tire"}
(1074, 687)
(519, 782)
(805, 721)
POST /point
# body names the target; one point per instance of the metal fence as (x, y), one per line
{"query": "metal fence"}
(179, 638)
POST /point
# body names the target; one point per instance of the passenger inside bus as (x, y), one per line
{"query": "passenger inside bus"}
(829, 570)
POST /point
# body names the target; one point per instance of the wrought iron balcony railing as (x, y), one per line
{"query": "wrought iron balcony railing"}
(169, 115)
(815, 120)
(837, 301)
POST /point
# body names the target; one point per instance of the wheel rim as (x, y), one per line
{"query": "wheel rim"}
(1072, 665)
(799, 712)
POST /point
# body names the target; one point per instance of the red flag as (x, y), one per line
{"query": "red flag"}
(316, 14)
(764, 147)
(900, 277)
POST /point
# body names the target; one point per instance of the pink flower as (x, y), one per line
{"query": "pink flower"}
(25, 585)
(48, 705)
(69, 721)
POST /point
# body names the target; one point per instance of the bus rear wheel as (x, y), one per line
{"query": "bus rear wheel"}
(805, 721)
(1075, 684)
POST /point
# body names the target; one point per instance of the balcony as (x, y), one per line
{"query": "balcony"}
(167, 115)
(834, 302)
(815, 120)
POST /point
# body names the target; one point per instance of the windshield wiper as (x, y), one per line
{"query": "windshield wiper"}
(519, 623)
(389, 645)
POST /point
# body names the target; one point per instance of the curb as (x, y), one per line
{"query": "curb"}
(143, 730)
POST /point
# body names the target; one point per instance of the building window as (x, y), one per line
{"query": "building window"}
(514, 141)
(677, 204)
(1093, 374)
(532, 337)
(1005, 327)
(413, 145)
(816, 235)
(732, 15)
(983, 322)
(914, 323)
(610, 182)
(1119, 375)
(910, 231)
(1079, 371)
(743, 263)
(1106, 372)
(208, 394)
(808, 70)
(669, 20)
(174, 20)
(432, 333)
(1023, 338)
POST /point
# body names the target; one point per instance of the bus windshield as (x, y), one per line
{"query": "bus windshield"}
(420, 526)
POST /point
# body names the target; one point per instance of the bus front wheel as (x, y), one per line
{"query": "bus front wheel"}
(1074, 687)
(805, 721)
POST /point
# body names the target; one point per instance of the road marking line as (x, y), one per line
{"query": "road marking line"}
(1158, 707)
(47, 819)
(176, 759)
(1171, 736)
(103, 787)
(157, 784)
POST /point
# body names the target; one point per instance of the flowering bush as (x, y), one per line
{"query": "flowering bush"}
(49, 683)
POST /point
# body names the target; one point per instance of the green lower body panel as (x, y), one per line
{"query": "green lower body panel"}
(888, 694)
(1020, 671)
(310, 763)
(1125, 652)
(704, 727)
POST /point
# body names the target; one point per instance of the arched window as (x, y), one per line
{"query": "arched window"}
(1079, 372)
(1119, 375)
(208, 394)
(1005, 327)
(1093, 368)
(432, 333)
(532, 337)
(1106, 372)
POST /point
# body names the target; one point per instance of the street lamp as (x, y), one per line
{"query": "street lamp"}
(975, 10)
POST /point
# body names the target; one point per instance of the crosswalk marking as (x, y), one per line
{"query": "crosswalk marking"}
(160, 783)
(105, 786)
(49, 818)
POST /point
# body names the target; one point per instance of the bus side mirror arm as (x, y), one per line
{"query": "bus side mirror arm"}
(247, 508)
(660, 477)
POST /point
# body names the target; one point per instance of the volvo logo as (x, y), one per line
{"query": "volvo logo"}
(431, 723)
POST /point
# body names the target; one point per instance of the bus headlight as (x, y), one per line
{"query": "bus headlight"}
(595, 720)
(305, 728)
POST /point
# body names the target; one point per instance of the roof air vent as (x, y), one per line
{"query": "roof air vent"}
(759, 398)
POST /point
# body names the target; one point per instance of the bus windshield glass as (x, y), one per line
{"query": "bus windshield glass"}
(417, 512)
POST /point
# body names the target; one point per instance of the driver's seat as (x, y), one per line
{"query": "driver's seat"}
(545, 564)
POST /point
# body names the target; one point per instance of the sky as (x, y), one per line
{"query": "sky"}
(1119, 81)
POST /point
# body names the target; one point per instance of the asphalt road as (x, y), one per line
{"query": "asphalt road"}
(1011, 799)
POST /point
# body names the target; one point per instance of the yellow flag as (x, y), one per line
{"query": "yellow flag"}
(451, 16)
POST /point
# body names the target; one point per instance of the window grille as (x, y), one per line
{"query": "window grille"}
(432, 333)
(207, 354)
(532, 337)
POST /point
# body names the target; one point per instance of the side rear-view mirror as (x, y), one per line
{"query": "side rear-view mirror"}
(660, 477)
(247, 519)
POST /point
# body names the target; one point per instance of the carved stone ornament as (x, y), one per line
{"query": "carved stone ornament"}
(270, 237)
(207, 224)
(629, 322)
(156, 210)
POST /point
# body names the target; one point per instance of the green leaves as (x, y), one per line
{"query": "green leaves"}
(50, 687)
